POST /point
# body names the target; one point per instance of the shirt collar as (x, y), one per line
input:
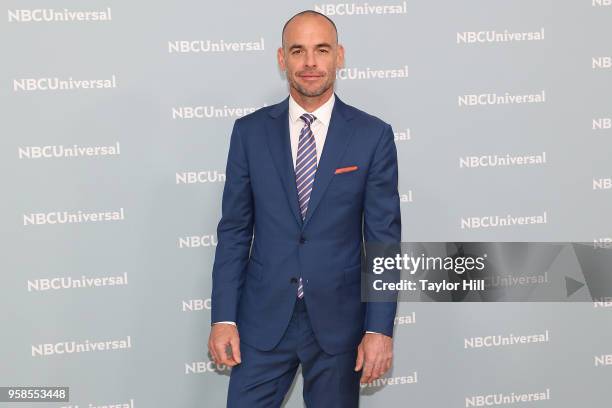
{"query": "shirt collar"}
(322, 113)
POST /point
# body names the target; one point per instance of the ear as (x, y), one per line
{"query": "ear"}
(340, 57)
(281, 59)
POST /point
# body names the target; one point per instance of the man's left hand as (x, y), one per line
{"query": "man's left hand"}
(374, 355)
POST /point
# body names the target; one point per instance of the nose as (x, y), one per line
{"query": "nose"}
(310, 60)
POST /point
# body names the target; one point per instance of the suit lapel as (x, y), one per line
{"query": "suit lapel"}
(280, 148)
(336, 142)
(337, 139)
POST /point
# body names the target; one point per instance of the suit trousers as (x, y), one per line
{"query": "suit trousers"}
(263, 378)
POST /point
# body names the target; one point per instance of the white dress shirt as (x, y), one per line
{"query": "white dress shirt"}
(319, 126)
(319, 129)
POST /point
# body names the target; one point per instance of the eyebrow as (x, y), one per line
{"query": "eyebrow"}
(320, 45)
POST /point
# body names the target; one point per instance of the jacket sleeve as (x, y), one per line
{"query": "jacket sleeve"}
(382, 221)
(234, 233)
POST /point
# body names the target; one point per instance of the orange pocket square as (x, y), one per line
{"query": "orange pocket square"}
(341, 170)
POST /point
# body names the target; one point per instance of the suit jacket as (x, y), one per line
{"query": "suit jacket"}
(263, 245)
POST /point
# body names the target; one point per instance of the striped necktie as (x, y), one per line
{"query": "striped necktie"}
(305, 169)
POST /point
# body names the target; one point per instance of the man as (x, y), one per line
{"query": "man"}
(307, 180)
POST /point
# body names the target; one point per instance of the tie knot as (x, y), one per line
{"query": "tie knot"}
(308, 118)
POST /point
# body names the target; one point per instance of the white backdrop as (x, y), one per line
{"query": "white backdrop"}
(115, 129)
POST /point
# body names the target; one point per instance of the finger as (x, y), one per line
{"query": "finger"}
(367, 371)
(376, 370)
(211, 350)
(213, 355)
(229, 354)
(359, 361)
(383, 367)
(235, 343)
(220, 351)
(388, 364)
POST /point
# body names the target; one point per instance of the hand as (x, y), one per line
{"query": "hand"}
(224, 344)
(374, 355)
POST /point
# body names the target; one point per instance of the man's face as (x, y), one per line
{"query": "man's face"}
(310, 55)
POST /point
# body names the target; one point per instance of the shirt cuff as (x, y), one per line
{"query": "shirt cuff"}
(226, 322)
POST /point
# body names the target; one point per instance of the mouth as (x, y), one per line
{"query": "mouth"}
(310, 77)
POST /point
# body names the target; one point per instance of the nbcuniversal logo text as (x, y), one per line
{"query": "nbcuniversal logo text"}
(405, 319)
(492, 221)
(203, 176)
(355, 9)
(511, 280)
(402, 135)
(196, 305)
(603, 302)
(602, 183)
(196, 241)
(496, 160)
(368, 73)
(400, 380)
(601, 62)
(495, 99)
(471, 37)
(71, 347)
(53, 15)
(603, 360)
(206, 46)
(202, 367)
(506, 399)
(601, 124)
(67, 282)
(603, 243)
(211, 112)
(72, 217)
(59, 151)
(406, 197)
(58, 84)
(507, 340)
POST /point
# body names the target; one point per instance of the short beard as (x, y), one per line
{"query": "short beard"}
(316, 92)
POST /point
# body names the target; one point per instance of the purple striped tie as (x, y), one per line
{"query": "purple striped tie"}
(305, 169)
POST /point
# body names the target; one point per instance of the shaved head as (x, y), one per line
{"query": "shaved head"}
(308, 13)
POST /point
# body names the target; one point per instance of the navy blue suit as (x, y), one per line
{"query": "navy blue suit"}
(264, 246)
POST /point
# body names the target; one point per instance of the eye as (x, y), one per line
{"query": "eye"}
(323, 50)
(296, 51)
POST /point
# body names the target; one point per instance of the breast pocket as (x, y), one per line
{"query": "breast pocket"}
(350, 184)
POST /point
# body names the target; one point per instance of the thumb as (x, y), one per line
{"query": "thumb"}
(359, 362)
(235, 343)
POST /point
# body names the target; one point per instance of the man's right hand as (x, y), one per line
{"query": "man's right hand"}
(224, 344)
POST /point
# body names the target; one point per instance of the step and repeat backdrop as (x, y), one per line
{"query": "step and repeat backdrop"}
(115, 128)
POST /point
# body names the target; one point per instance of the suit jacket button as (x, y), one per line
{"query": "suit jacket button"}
(293, 280)
(302, 240)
